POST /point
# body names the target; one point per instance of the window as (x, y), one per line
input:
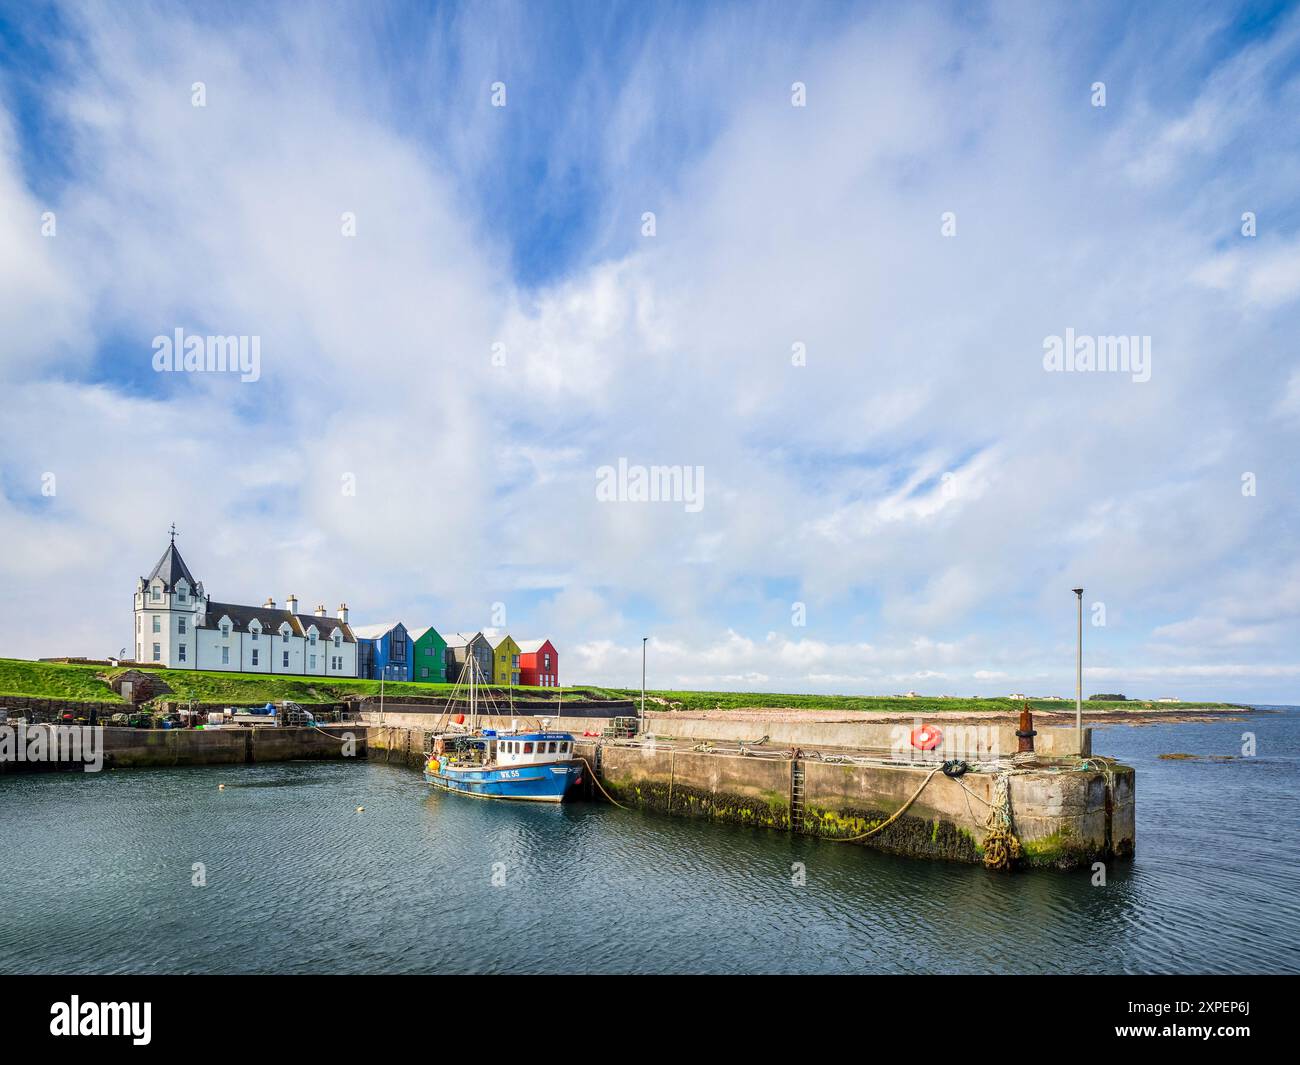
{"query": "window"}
(546, 661)
(528, 748)
(157, 594)
(424, 671)
(312, 660)
(286, 655)
(180, 595)
(225, 656)
(137, 624)
(284, 638)
(338, 640)
(254, 656)
(225, 632)
(428, 651)
(157, 652)
(313, 639)
(180, 626)
(157, 626)
(180, 652)
(255, 635)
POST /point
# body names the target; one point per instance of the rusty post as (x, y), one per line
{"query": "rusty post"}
(1026, 733)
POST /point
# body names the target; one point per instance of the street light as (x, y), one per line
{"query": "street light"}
(644, 639)
(1078, 674)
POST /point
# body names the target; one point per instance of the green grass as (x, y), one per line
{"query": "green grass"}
(49, 680)
(696, 700)
(46, 680)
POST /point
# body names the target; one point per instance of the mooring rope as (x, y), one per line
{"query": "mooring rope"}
(594, 777)
(897, 814)
(1001, 847)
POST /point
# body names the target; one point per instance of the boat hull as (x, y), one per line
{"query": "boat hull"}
(546, 782)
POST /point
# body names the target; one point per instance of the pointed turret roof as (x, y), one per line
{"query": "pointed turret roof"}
(171, 568)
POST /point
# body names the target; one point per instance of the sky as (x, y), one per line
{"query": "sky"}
(814, 255)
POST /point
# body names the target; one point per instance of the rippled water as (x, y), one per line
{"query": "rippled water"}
(95, 876)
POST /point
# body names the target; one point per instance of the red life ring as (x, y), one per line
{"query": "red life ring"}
(926, 738)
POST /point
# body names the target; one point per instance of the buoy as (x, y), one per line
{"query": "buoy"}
(926, 738)
(361, 809)
(221, 787)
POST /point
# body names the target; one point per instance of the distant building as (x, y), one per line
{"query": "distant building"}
(460, 647)
(385, 651)
(178, 626)
(1168, 699)
(539, 664)
(505, 661)
(428, 655)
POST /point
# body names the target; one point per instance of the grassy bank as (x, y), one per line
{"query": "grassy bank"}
(892, 704)
(49, 680)
(52, 680)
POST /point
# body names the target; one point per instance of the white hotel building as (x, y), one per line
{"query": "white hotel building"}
(178, 626)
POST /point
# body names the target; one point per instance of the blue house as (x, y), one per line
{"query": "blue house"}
(384, 651)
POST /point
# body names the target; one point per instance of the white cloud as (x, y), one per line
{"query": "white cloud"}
(921, 483)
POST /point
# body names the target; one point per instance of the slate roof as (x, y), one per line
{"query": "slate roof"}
(171, 568)
(271, 618)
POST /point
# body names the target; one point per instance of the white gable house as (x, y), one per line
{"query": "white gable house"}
(178, 626)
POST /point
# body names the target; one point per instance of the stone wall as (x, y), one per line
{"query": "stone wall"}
(967, 738)
(1063, 817)
(131, 748)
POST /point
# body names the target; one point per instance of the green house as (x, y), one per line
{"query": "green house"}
(428, 656)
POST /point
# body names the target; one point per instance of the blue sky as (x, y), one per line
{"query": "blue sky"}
(501, 326)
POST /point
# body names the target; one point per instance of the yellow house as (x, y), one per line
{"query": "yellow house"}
(505, 661)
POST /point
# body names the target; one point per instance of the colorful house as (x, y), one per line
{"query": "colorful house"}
(428, 656)
(384, 651)
(460, 647)
(539, 664)
(505, 661)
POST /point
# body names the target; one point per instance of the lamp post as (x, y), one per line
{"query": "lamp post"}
(644, 640)
(1078, 673)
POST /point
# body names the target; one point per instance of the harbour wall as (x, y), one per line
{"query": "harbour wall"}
(968, 738)
(1062, 816)
(124, 748)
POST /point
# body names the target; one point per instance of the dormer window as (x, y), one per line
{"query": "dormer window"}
(225, 631)
(338, 640)
(157, 593)
(284, 635)
(313, 639)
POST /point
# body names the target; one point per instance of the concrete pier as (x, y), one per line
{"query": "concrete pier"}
(124, 748)
(1062, 816)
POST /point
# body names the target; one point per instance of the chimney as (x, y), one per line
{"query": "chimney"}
(270, 603)
(320, 610)
(292, 603)
(343, 613)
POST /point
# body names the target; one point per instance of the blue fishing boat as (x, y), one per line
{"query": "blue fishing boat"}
(530, 766)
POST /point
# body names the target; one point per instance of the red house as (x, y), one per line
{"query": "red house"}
(539, 665)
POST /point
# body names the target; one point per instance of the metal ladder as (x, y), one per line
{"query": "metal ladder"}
(796, 795)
